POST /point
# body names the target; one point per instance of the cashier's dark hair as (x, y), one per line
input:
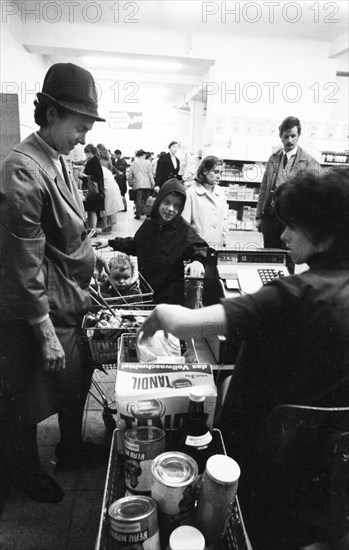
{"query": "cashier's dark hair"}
(319, 204)
(40, 110)
(206, 165)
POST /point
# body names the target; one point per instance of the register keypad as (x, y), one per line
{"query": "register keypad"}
(268, 275)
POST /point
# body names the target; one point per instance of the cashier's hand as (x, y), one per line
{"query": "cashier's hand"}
(195, 269)
(163, 317)
(259, 225)
(51, 348)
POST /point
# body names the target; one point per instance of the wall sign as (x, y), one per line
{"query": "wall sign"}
(123, 120)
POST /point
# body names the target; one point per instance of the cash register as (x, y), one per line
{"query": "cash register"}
(244, 272)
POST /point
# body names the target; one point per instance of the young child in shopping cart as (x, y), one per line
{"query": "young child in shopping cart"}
(163, 243)
(122, 280)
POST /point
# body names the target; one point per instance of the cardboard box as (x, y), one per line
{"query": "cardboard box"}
(158, 393)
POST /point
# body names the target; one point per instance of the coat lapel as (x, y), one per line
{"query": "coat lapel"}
(72, 198)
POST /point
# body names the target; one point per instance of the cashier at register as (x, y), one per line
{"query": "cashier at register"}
(295, 330)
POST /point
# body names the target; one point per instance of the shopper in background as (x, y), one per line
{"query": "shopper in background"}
(281, 166)
(206, 207)
(94, 202)
(295, 334)
(112, 203)
(47, 264)
(163, 243)
(168, 165)
(141, 180)
(104, 157)
(120, 167)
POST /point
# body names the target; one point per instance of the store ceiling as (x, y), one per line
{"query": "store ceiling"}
(176, 76)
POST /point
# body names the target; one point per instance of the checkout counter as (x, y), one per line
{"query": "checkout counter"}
(243, 272)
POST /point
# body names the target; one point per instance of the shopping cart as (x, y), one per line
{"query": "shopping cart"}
(101, 341)
(235, 537)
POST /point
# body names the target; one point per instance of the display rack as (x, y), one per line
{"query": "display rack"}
(242, 179)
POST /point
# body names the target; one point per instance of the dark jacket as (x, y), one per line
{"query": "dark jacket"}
(93, 168)
(165, 169)
(120, 166)
(161, 249)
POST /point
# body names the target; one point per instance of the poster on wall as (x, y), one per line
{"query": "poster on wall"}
(125, 120)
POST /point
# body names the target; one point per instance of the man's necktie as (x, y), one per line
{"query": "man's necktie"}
(65, 173)
(285, 159)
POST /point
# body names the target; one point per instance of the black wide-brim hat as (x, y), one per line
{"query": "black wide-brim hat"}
(73, 88)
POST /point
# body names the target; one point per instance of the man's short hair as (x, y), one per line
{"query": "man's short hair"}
(172, 143)
(319, 204)
(117, 152)
(140, 153)
(288, 123)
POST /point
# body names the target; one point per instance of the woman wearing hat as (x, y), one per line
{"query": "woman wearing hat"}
(44, 280)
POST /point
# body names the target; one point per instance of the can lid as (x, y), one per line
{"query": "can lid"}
(186, 537)
(223, 469)
(131, 508)
(145, 433)
(197, 394)
(174, 469)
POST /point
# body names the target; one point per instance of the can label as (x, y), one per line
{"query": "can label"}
(133, 523)
(142, 445)
(123, 541)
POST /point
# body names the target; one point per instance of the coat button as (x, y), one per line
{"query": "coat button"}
(83, 235)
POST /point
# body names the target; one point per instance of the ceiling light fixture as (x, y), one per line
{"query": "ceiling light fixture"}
(110, 62)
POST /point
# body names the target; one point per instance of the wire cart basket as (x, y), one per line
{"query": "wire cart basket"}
(235, 538)
(101, 341)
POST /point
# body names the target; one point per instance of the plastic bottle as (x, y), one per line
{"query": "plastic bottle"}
(217, 493)
(186, 537)
(195, 438)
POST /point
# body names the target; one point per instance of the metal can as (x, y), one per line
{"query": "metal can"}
(133, 521)
(141, 445)
(173, 487)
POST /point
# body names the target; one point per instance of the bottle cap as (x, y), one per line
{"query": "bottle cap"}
(186, 537)
(197, 394)
(223, 469)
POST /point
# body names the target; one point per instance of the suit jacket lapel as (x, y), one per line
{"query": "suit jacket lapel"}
(72, 198)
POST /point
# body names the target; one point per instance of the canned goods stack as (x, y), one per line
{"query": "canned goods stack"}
(180, 503)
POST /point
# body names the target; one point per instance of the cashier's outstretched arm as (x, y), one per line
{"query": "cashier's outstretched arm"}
(185, 323)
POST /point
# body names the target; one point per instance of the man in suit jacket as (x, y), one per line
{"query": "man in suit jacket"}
(47, 264)
(168, 165)
(281, 166)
